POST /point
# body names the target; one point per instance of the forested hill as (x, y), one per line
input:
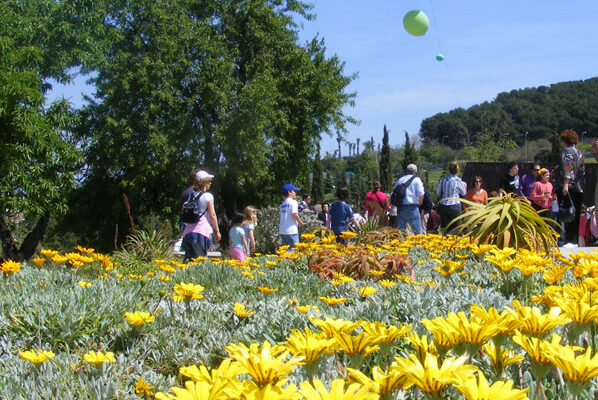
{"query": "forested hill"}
(541, 111)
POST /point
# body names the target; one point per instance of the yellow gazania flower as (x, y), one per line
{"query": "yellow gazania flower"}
(307, 236)
(10, 267)
(428, 377)
(167, 268)
(332, 301)
(164, 278)
(579, 310)
(139, 318)
(377, 273)
(331, 326)
(305, 308)
(422, 345)
(84, 250)
(36, 357)
(262, 363)
(84, 284)
(387, 283)
(58, 259)
(536, 349)
(317, 391)
(383, 333)
(228, 370)
(448, 267)
(554, 274)
(579, 369)
(266, 290)
(39, 261)
(501, 356)
(336, 282)
(473, 389)
(345, 279)
(203, 390)
(456, 329)
(535, 323)
(189, 291)
(241, 312)
(48, 253)
(381, 382)
(142, 387)
(309, 345)
(348, 235)
(97, 358)
(247, 275)
(507, 321)
(361, 344)
(366, 291)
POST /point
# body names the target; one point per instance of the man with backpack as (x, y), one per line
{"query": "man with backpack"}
(407, 196)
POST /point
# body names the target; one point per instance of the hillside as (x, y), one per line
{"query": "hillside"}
(541, 111)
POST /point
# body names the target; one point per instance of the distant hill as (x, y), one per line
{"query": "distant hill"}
(542, 112)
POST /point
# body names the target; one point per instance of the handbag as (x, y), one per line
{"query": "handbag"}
(566, 211)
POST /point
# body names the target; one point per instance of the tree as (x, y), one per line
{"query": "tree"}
(221, 85)
(409, 153)
(385, 165)
(317, 187)
(40, 40)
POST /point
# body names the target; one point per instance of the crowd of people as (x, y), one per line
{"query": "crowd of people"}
(409, 207)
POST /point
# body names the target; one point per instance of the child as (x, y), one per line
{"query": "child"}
(249, 224)
(236, 241)
(341, 214)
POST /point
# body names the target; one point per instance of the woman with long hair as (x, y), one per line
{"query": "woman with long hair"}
(476, 194)
(249, 224)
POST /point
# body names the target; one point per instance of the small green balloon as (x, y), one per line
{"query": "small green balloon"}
(439, 56)
(416, 23)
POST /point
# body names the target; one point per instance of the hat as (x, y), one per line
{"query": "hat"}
(288, 187)
(412, 169)
(203, 176)
(542, 171)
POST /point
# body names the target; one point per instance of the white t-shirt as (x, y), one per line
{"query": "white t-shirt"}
(288, 225)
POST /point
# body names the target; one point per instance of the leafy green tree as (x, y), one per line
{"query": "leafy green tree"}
(221, 85)
(40, 41)
(409, 153)
(385, 165)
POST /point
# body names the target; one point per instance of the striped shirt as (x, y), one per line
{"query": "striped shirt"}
(450, 186)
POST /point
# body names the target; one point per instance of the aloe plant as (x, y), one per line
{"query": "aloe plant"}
(508, 221)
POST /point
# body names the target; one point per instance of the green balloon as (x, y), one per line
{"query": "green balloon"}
(416, 22)
(439, 56)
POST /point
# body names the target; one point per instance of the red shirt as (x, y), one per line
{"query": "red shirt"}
(537, 194)
(377, 197)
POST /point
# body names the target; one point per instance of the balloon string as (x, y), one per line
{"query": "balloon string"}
(435, 23)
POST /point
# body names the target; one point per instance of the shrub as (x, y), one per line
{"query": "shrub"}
(267, 239)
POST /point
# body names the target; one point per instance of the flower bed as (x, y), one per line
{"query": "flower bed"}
(353, 321)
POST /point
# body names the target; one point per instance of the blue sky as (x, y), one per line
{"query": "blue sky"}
(490, 46)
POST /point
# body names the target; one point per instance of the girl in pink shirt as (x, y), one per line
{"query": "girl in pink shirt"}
(542, 194)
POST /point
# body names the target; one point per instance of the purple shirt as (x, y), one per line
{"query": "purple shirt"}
(528, 182)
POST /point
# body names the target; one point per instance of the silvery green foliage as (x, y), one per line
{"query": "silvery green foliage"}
(267, 239)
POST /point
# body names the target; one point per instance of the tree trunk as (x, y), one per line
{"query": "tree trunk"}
(27, 249)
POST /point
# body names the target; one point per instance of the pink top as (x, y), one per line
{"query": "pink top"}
(537, 195)
(378, 197)
(202, 226)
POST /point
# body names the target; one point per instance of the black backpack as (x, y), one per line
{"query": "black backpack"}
(398, 193)
(190, 210)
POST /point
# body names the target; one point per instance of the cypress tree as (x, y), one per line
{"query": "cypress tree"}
(409, 153)
(317, 186)
(385, 167)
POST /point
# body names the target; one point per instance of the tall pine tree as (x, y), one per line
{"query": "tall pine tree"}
(385, 167)
(317, 186)
(409, 153)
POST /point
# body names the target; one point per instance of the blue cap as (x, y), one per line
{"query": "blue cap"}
(288, 187)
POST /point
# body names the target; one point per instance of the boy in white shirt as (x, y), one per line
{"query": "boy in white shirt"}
(289, 216)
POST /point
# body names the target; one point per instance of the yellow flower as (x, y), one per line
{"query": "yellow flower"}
(428, 377)
(262, 362)
(507, 321)
(332, 301)
(228, 370)
(331, 326)
(241, 311)
(387, 283)
(189, 291)
(139, 318)
(422, 345)
(48, 253)
(317, 391)
(220, 390)
(579, 369)
(167, 268)
(308, 236)
(36, 357)
(266, 290)
(377, 273)
(164, 278)
(536, 349)
(97, 358)
(456, 329)
(366, 291)
(473, 389)
(39, 261)
(84, 250)
(10, 267)
(535, 323)
(501, 356)
(381, 382)
(579, 309)
(58, 259)
(348, 235)
(84, 284)
(309, 345)
(142, 387)
(384, 333)
(361, 344)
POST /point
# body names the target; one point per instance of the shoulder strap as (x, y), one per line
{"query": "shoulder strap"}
(409, 181)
